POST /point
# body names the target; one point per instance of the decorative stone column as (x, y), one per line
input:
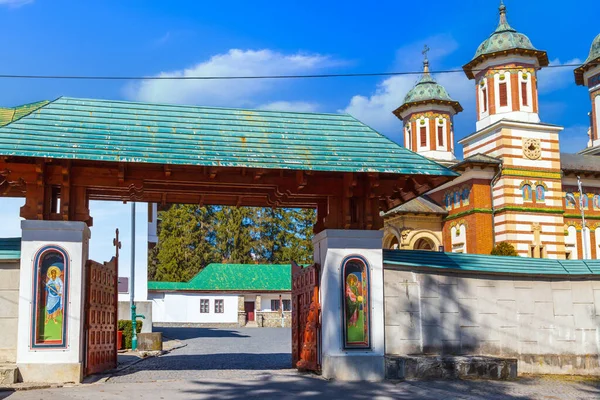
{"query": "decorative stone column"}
(50, 345)
(241, 311)
(258, 311)
(334, 248)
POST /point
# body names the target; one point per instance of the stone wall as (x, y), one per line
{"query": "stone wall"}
(272, 319)
(551, 325)
(9, 310)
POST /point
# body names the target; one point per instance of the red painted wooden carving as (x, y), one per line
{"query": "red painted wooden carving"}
(306, 318)
(101, 314)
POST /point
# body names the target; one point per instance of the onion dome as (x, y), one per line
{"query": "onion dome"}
(427, 91)
(504, 40)
(592, 60)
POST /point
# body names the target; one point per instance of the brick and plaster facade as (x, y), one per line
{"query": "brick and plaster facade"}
(515, 185)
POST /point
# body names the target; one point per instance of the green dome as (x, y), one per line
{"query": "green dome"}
(594, 50)
(504, 38)
(589, 62)
(427, 90)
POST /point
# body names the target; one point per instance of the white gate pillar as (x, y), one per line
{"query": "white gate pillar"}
(50, 346)
(331, 248)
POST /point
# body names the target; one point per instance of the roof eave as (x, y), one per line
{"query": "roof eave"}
(579, 71)
(541, 56)
(452, 103)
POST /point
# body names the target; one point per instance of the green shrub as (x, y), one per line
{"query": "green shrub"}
(504, 249)
(125, 326)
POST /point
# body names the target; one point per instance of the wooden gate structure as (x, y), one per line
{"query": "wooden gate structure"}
(306, 318)
(101, 302)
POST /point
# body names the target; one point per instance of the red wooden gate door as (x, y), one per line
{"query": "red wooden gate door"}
(306, 318)
(101, 316)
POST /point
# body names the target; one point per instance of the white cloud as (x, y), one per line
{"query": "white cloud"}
(239, 92)
(376, 110)
(551, 79)
(297, 106)
(15, 3)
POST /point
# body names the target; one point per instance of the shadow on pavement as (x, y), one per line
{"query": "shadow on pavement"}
(193, 333)
(218, 361)
(316, 388)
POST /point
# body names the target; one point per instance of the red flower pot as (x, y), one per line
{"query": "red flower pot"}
(119, 340)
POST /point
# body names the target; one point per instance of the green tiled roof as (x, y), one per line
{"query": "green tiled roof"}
(10, 248)
(504, 39)
(120, 131)
(490, 264)
(234, 277)
(8, 115)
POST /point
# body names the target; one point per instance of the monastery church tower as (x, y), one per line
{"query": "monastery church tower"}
(427, 114)
(589, 75)
(527, 195)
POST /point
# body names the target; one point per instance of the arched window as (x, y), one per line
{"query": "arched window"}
(465, 195)
(408, 139)
(540, 193)
(448, 200)
(570, 200)
(357, 304)
(503, 90)
(483, 97)
(525, 90)
(527, 193)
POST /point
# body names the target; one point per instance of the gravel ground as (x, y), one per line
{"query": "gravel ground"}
(216, 354)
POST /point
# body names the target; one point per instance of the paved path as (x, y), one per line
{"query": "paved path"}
(254, 364)
(216, 354)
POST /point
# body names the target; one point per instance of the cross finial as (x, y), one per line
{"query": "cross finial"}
(425, 51)
(117, 242)
(425, 60)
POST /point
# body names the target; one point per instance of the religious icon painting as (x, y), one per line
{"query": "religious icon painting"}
(50, 298)
(356, 302)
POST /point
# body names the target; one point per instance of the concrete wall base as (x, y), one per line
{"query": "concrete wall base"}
(347, 367)
(51, 373)
(559, 364)
(9, 374)
(450, 367)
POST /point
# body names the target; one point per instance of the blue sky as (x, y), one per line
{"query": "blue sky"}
(292, 37)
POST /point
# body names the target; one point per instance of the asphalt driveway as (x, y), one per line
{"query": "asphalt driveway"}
(216, 353)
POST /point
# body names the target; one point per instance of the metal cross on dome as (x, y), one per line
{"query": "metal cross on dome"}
(425, 51)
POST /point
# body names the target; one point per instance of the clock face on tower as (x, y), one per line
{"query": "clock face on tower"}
(532, 148)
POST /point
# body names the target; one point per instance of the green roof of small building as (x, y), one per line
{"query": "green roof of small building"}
(234, 277)
(459, 262)
(10, 248)
(427, 91)
(592, 60)
(121, 131)
(503, 40)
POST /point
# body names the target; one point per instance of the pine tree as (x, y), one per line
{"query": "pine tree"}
(233, 234)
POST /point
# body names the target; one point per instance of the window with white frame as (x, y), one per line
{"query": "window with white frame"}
(408, 137)
(440, 126)
(503, 90)
(525, 91)
(219, 306)
(287, 305)
(423, 133)
(204, 306)
(483, 98)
